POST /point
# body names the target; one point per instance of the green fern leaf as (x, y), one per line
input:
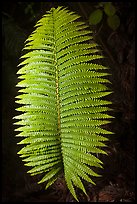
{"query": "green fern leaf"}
(61, 92)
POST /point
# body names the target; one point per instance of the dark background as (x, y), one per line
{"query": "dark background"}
(117, 182)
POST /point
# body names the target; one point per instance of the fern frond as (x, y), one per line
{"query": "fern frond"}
(61, 93)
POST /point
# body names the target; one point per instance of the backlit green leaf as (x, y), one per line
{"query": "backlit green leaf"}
(61, 96)
(109, 9)
(113, 22)
(95, 17)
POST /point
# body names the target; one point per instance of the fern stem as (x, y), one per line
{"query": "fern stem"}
(57, 76)
(58, 100)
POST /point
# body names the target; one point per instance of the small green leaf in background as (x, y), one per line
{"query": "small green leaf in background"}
(101, 4)
(109, 9)
(95, 17)
(113, 22)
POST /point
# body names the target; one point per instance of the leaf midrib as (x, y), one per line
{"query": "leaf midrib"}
(57, 77)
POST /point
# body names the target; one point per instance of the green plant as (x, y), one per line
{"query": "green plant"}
(109, 9)
(61, 96)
